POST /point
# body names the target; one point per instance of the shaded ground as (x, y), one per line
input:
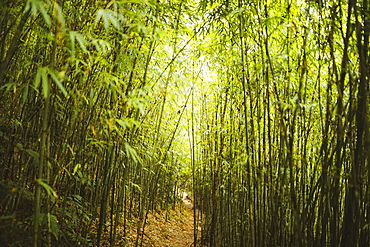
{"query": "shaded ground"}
(168, 229)
(175, 232)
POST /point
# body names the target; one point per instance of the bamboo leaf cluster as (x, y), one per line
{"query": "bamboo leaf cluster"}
(79, 152)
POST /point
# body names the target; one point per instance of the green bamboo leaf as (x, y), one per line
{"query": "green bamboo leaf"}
(81, 41)
(135, 1)
(109, 17)
(36, 7)
(73, 36)
(54, 226)
(100, 15)
(33, 153)
(9, 86)
(19, 146)
(101, 46)
(123, 124)
(58, 13)
(132, 153)
(47, 187)
(25, 93)
(75, 169)
(42, 78)
(56, 77)
(136, 186)
(6, 217)
(38, 78)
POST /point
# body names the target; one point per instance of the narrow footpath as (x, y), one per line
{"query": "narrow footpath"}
(171, 229)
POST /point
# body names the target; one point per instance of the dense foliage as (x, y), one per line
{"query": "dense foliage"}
(259, 108)
(283, 158)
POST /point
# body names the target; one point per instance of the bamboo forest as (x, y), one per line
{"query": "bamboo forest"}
(184, 123)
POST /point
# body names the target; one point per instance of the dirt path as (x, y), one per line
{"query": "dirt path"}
(168, 229)
(175, 231)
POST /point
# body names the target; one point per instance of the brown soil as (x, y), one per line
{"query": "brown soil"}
(168, 229)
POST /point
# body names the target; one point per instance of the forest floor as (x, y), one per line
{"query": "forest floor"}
(172, 228)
